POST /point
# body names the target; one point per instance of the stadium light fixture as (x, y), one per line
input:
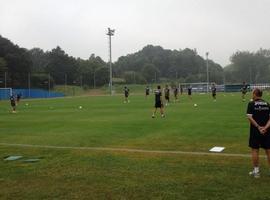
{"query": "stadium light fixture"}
(110, 33)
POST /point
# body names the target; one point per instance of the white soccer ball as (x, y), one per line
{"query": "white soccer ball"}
(80, 107)
(195, 105)
(26, 104)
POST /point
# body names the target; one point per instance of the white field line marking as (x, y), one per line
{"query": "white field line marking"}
(129, 150)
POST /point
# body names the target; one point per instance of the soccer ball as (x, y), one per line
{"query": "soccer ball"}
(195, 105)
(26, 104)
(80, 107)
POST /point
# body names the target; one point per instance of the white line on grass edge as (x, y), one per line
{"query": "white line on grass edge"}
(129, 150)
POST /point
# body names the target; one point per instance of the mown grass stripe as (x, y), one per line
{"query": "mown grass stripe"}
(130, 150)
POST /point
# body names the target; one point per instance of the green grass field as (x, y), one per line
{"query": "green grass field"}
(107, 122)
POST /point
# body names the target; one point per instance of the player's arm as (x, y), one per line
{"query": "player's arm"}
(267, 126)
(252, 121)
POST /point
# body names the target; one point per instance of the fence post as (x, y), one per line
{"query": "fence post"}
(5, 79)
(49, 84)
(29, 85)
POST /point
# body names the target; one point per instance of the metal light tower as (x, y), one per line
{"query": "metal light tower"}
(110, 33)
(207, 71)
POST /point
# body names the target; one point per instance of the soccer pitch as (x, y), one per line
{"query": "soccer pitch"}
(111, 150)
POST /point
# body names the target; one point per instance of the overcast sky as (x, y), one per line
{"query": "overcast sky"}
(79, 26)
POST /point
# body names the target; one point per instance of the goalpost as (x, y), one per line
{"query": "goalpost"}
(201, 87)
(196, 87)
(5, 93)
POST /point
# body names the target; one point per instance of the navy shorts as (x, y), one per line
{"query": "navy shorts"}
(257, 140)
(158, 104)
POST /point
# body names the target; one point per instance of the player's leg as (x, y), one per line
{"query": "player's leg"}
(267, 151)
(14, 108)
(243, 96)
(255, 157)
(162, 111)
(154, 112)
(255, 163)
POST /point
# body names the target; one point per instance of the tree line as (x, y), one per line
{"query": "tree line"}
(152, 64)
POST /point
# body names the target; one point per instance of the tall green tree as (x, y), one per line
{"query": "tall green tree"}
(18, 63)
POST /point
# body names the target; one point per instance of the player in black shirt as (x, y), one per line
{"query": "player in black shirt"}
(181, 89)
(244, 91)
(126, 94)
(214, 91)
(258, 112)
(158, 102)
(175, 92)
(147, 91)
(167, 95)
(189, 92)
(13, 103)
(19, 96)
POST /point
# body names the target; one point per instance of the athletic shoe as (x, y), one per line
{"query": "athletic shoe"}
(153, 116)
(162, 116)
(255, 175)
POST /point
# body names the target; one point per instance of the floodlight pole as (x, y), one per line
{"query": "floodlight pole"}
(207, 71)
(110, 33)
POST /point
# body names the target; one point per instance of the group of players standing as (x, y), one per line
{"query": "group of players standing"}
(158, 96)
(159, 103)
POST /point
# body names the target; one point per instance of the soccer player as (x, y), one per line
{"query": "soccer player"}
(190, 92)
(258, 112)
(175, 92)
(158, 102)
(167, 95)
(181, 89)
(244, 91)
(214, 91)
(19, 96)
(13, 103)
(147, 91)
(126, 94)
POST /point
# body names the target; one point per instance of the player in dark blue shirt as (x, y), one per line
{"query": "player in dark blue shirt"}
(244, 91)
(258, 112)
(175, 92)
(19, 96)
(214, 91)
(158, 102)
(167, 95)
(126, 94)
(147, 91)
(13, 103)
(190, 92)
